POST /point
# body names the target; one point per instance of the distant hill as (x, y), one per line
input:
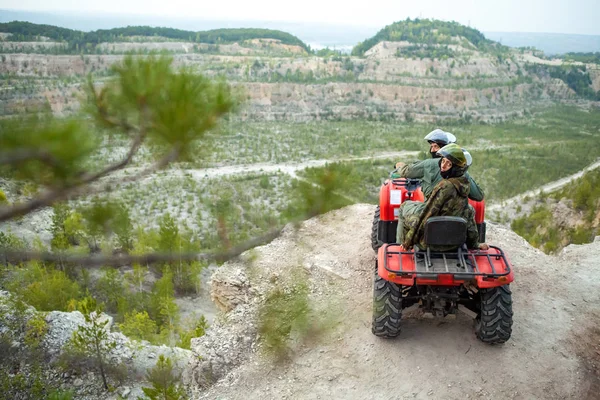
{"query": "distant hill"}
(427, 32)
(549, 43)
(86, 41)
(317, 35)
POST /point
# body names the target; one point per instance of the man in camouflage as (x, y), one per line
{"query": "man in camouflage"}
(428, 171)
(448, 198)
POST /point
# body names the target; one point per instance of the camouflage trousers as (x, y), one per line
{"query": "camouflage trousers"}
(408, 217)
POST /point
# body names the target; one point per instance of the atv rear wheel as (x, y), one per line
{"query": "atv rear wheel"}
(375, 242)
(494, 322)
(387, 307)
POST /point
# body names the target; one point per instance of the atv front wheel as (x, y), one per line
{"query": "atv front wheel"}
(387, 307)
(494, 322)
(375, 242)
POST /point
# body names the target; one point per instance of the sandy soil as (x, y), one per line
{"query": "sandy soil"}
(550, 355)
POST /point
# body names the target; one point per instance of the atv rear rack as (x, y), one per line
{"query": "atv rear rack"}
(463, 265)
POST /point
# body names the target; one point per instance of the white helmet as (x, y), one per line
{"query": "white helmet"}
(440, 137)
(468, 157)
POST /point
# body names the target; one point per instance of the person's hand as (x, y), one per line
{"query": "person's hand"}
(400, 164)
(483, 246)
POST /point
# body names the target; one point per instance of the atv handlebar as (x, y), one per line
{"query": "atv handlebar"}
(411, 184)
(401, 180)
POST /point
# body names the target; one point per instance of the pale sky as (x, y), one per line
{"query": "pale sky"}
(559, 16)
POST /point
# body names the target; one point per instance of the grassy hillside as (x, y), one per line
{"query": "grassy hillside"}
(568, 216)
(428, 32)
(86, 42)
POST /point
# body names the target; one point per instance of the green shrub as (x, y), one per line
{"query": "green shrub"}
(35, 330)
(198, 330)
(169, 239)
(111, 291)
(186, 276)
(60, 240)
(8, 241)
(123, 227)
(327, 191)
(139, 326)
(59, 394)
(283, 317)
(163, 308)
(164, 381)
(581, 235)
(91, 343)
(44, 288)
(27, 379)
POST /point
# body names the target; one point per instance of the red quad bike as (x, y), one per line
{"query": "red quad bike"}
(474, 281)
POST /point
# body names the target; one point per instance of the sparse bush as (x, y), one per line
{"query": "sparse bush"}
(168, 239)
(8, 241)
(164, 381)
(91, 343)
(198, 330)
(164, 310)
(44, 288)
(284, 316)
(111, 291)
(123, 228)
(20, 324)
(326, 194)
(60, 395)
(581, 235)
(139, 326)
(60, 240)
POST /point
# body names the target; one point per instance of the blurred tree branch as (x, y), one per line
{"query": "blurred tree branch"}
(147, 102)
(15, 257)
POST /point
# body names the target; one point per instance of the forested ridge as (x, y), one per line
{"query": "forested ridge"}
(428, 32)
(86, 42)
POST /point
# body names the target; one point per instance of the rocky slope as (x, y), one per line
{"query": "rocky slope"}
(281, 83)
(135, 357)
(553, 352)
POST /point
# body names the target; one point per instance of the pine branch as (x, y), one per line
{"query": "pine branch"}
(61, 193)
(19, 155)
(107, 186)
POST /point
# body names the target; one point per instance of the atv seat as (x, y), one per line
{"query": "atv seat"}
(445, 231)
(445, 238)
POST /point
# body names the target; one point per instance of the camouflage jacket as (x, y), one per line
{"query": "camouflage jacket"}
(449, 198)
(428, 171)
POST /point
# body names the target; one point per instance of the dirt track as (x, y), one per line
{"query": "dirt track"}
(550, 355)
(510, 206)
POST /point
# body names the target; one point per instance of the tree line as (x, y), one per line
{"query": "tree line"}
(592, 58)
(86, 42)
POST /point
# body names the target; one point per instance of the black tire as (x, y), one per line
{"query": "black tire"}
(494, 322)
(387, 307)
(375, 242)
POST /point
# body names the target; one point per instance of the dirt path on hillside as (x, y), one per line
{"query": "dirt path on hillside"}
(290, 168)
(508, 208)
(556, 303)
